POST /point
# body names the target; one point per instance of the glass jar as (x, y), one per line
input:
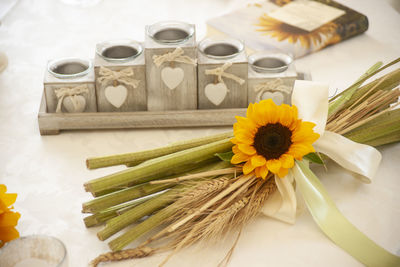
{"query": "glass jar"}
(170, 32)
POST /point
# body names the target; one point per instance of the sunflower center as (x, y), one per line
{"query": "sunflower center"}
(272, 140)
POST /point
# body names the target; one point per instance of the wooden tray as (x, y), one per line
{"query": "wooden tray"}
(53, 123)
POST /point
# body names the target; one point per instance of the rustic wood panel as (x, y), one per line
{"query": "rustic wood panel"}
(53, 123)
(136, 99)
(236, 97)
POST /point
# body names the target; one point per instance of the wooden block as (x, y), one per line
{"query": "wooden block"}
(280, 85)
(115, 95)
(234, 95)
(159, 95)
(83, 101)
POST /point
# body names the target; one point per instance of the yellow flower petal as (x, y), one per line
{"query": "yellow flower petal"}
(258, 160)
(247, 149)
(244, 137)
(235, 149)
(7, 234)
(9, 219)
(257, 171)
(287, 161)
(282, 172)
(239, 158)
(248, 167)
(274, 165)
(263, 171)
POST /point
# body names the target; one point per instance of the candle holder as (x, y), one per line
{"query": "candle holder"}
(69, 86)
(120, 73)
(222, 74)
(271, 76)
(171, 66)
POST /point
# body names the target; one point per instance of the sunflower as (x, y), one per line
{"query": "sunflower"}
(8, 218)
(282, 31)
(270, 138)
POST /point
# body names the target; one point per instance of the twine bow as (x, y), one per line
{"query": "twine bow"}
(275, 84)
(174, 56)
(62, 92)
(220, 72)
(124, 76)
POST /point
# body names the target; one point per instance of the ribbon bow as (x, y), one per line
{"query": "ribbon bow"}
(311, 99)
(174, 56)
(62, 92)
(275, 84)
(220, 72)
(124, 76)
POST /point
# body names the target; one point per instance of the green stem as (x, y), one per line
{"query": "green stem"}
(122, 196)
(338, 104)
(372, 133)
(154, 168)
(384, 140)
(347, 94)
(107, 214)
(140, 229)
(132, 159)
(142, 190)
(118, 223)
(373, 68)
(391, 80)
(173, 171)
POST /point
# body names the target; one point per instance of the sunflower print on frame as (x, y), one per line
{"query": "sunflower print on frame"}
(285, 32)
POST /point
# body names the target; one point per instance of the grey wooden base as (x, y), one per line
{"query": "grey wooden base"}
(53, 123)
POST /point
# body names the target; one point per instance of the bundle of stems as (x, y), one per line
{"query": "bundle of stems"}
(189, 191)
(368, 113)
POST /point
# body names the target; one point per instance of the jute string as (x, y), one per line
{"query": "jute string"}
(174, 56)
(62, 92)
(275, 84)
(220, 72)
(124, 76)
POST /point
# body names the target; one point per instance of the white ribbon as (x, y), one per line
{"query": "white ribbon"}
(62, 92)
(311, 99)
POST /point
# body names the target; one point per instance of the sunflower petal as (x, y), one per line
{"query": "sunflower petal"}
(8, 233)
(248, 167)
(274, 165)
(239, 157)
(263, 171)
(9, 219)
(247, 149)
(282, 172)
(258, 160)
(257, 170)
(287, 161)
(244, 137)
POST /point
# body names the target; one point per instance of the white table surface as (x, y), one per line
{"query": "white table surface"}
(48, 171)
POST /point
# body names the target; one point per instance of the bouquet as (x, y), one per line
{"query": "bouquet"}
(204, 188)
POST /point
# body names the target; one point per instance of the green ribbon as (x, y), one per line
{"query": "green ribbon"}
(335, 225)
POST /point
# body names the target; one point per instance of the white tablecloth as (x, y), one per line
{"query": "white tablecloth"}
(48, 172)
